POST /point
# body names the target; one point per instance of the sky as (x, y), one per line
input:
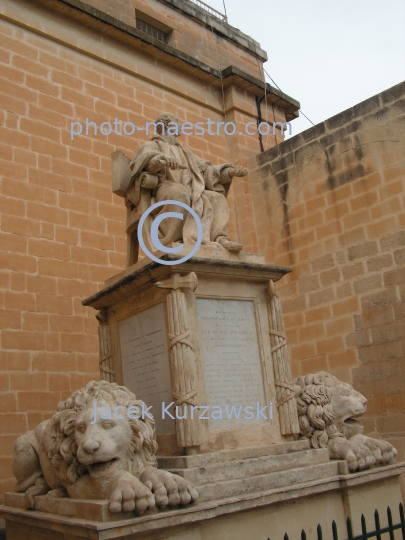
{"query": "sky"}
(327, 54)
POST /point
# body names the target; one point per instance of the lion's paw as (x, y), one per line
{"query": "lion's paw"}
(383, 451)
(130, 494)
(357, 454)
(388, 452)
(169, 489)
(40, 488)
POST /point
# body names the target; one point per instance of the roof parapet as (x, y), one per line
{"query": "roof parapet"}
(211, 10)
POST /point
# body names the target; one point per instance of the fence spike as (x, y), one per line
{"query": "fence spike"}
(377, 525)
(334, 530)
(377, 533)
(402, 518)
(349, 528)
(390, 525)
(363, 527)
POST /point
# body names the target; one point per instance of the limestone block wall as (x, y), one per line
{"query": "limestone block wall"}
(191, 29)
(331, 203)
(62, 231)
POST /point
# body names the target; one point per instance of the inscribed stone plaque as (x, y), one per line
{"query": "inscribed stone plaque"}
(231, 362)
(145, 362)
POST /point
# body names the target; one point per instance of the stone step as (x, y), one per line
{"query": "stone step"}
(266, 482)
(246, 468)
(200, 460)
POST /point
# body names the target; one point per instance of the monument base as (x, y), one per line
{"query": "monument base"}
(250, 506)
(200, 335)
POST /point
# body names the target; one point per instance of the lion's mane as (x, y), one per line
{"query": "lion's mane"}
(315, 410)
(63, 447)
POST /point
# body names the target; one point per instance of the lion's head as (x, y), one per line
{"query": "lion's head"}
(327, 408)
(82, 442)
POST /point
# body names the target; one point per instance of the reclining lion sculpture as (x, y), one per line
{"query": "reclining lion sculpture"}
(328, 412)
(82, 455)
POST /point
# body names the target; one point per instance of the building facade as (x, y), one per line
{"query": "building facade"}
(62, 229)
(328, 202)
(333, 198)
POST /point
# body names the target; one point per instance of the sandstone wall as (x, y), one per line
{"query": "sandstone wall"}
(192, 30)
(331, 203)
(62, 230)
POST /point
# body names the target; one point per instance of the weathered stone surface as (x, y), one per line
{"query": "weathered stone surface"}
(164, 167)
(328, 410)
(264, 482)
(225, 456)
(99, 445)
(345, 198)
(247, 468)
(210, 355)
(67, 242)
(230, 358)
(145, 361)
(248, 515)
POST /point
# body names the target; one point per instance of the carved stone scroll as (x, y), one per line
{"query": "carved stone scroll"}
(286, 402)
(182, 360)
(106, 361)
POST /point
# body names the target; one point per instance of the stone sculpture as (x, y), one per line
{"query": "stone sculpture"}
(285, 393)
(183, 361)
(84, 452)
(170, 171)
(328, 412)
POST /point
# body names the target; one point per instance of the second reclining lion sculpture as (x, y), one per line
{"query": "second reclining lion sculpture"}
(110, 458)
(328, 412)
(80, 454)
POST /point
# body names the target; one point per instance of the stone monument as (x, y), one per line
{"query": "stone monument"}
(328, 412)
(163, 169)
(89, 451)
(202, 343)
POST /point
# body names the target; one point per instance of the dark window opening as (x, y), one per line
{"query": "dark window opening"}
(152, 31)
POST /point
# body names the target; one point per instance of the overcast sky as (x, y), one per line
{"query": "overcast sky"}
(327, 54)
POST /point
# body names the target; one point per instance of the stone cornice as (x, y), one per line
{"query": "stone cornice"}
(221, 28)
(229, 75)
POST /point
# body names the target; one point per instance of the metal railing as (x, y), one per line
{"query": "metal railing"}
(211, 10)
(364, 533)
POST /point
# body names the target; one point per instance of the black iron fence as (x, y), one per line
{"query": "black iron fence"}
(377, 533)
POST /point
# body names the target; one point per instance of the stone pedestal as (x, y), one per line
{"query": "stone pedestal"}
(256, 495)
(209, 334)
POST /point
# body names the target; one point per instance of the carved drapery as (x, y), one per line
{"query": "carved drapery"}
(285, 394)
(106, 362)
(182, 361)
